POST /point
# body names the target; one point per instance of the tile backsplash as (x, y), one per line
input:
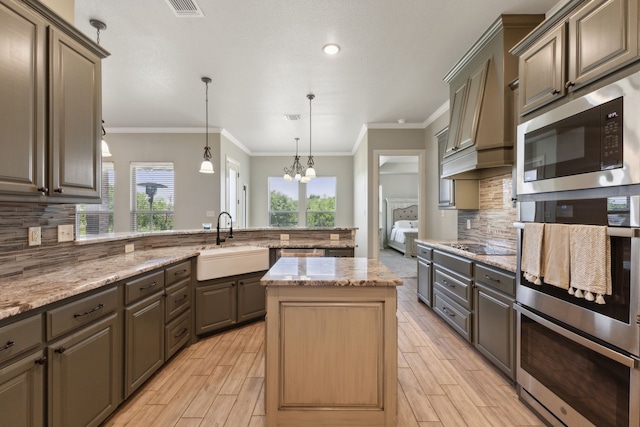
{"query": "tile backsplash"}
(493, 222)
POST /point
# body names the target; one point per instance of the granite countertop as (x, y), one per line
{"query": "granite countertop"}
(504, 262)
(361, 272)
(20, 294)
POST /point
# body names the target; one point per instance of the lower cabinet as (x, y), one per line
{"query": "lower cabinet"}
(84, 374)
(22, 392)
(144, 332)
(425, 291)
(221, 303)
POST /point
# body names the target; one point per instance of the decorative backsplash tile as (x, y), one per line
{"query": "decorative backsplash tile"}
(493, 222)
(18, 258)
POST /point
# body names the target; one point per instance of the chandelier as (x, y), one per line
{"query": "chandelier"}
(296, 168)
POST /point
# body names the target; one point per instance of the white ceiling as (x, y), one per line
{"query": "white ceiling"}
(265, 56)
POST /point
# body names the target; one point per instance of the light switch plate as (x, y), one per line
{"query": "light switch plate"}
(65, 233)
(284, 237)
(210, 214)
(334, 237)
(129, 248)
(35, 236)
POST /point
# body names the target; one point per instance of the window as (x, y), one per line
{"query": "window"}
(283, 203)
(321, 202)
(94, 219)
(152, 196)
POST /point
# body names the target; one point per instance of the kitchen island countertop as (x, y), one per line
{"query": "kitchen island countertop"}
(361, 272)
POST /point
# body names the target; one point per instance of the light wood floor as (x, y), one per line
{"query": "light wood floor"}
(219, 381)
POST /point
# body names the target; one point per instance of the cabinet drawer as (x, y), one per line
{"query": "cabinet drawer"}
(177, 273)
(143, 286)
(178, 299)
(177, 334)
(20, 336)
(458, 264)
(75, 314)
(425, 252)
(456, 287)
(497, 279)
(453, 314)
(339, 253)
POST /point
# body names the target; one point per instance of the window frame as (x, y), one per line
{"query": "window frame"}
(134, 212)
(108, 187)
(334, 212)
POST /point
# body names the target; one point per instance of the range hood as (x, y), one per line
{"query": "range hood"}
(483, 105)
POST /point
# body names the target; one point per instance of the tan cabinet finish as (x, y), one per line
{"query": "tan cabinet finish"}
(590, 38)
(84, 375)
(50, 117)
(542, 70)
(331, 356)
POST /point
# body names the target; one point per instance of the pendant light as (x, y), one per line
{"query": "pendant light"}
(311, 172)
(206, 166)
(101, 26)
(295, 169)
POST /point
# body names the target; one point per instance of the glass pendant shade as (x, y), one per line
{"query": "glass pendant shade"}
(305, 179)
(311, 173)
(206, 167)
(287, 177)
(105, 149)
(298, 177)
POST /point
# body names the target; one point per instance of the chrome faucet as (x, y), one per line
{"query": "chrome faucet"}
(230, 236)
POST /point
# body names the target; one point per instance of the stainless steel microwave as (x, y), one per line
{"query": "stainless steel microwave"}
(590, 142)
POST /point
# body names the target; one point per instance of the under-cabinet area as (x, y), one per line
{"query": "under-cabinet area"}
(475, 299)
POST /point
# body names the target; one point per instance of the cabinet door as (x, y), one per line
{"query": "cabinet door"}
(85, 375)
(457, 111)
(251, 299)
(424, 281)
(494, 329)
(22, 392)
(472, 106)
(445, 186)
(144, 352)
(603, 36)
(215, 306)
(542, 70)
(23, 97)
(75, 129)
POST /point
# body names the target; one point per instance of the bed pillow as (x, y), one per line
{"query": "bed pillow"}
(402, 224)
(414, 224)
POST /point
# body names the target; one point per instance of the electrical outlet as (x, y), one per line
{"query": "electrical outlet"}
(334, 237)
(284, 237)
(35, 237)
(210, 214)
(129, 248)
(468, 224)
(442, 213)
(65, 233)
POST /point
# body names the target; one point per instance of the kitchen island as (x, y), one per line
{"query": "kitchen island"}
(331, 343)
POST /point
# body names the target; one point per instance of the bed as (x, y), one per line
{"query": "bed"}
(402, 226)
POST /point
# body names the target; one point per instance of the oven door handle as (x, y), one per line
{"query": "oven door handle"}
(627, 361)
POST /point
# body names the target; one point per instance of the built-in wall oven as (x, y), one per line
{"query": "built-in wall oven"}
(578, 361)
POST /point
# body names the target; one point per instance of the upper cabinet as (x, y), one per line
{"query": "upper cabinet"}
(481, 134)
(50, 116)
(582, 42)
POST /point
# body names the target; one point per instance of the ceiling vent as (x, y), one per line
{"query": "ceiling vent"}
(185, 8)
(292, 117)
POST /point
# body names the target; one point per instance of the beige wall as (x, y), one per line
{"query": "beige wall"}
(229, 150)
(195, 193)
(360, 197)
(262, 167)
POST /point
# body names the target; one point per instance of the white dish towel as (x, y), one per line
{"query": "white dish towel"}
(531, 262)
(590, 250)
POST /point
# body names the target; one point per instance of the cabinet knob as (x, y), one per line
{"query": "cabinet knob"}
(41, 360)
(60, 350)
(59, 190)
(555, 92)
(569, 84)
(43, 190)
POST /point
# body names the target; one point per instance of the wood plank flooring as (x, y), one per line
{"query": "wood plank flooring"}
(219, 381)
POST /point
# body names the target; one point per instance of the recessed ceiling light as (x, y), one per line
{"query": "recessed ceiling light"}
(292, 116)
(331, 49)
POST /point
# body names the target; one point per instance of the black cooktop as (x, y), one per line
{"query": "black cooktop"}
(480, 249)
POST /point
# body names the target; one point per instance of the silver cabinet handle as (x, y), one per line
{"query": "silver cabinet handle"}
(8, 345)
(91, 310)
(142, 288)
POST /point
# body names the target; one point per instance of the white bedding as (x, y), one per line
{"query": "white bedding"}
(398, 234)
